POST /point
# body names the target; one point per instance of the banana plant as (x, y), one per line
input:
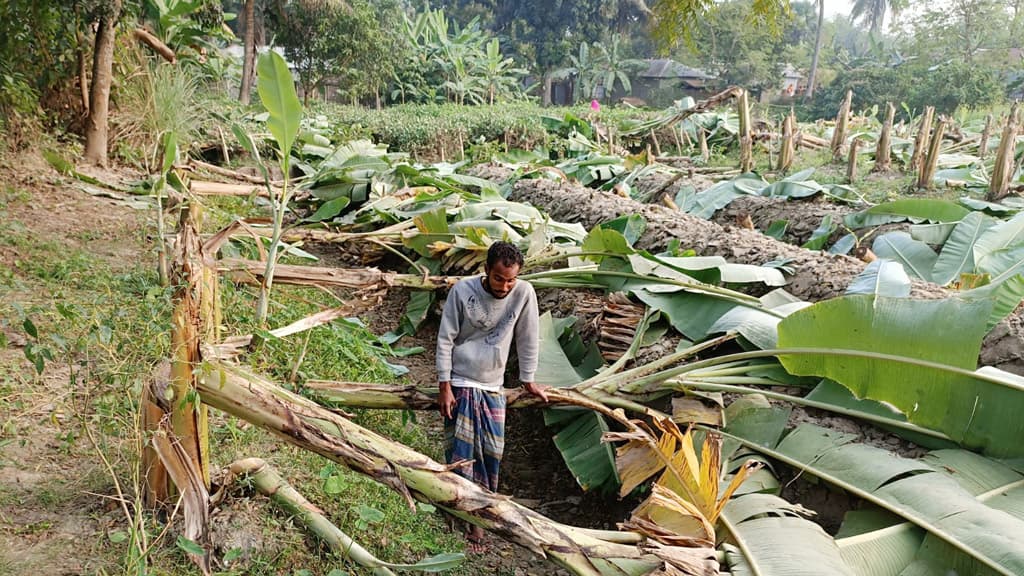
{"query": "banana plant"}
(277, 92)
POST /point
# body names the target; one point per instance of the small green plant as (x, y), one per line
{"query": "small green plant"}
(277, 92)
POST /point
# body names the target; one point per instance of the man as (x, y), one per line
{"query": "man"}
(480, 319)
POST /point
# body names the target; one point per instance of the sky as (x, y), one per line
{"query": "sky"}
(833, 7)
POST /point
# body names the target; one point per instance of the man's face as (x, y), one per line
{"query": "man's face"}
(501, 278)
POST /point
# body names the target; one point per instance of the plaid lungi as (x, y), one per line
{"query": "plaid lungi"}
(477, 433)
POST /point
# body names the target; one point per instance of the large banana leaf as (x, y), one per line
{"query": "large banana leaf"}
(917, 258)
(705, 204)
(591, 461)
(1005, 297)
(917, 356)
(768, 535)
(969, 532)
(277, 92)
(774, 538)
(913, 209)
(957, 256)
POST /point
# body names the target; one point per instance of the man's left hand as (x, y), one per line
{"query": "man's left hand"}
(538, 390)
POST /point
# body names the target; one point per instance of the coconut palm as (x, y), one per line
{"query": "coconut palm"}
(872, 12)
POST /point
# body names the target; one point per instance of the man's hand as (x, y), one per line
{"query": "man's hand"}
(538, 390)
(446, 399)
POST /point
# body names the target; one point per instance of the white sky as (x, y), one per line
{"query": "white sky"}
(833, 7)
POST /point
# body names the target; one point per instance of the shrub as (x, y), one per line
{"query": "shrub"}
(946, 87)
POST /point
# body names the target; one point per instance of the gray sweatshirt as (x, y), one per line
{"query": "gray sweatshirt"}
(477, 329)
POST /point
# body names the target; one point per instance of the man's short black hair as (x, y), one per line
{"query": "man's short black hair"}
(506, 253)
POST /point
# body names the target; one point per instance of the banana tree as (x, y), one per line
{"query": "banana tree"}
(498, 74)
(613, 67)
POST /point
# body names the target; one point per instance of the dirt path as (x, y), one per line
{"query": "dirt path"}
(51, 521)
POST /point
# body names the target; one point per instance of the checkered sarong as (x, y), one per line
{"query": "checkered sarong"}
(477, 433)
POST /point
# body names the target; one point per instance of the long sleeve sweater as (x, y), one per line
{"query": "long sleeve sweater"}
(477, 329)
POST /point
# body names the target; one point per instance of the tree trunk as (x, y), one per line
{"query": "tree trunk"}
(924, 131)
(102, 76)
(546, 97)
(931, 162)
(818, 275)
(851, 164)
(883, 150)
(842, 122)
(1002, 172)
(788, 148)
(249, 60)
(986, 133)
(811, 78)
(746, 141)
(83, 72)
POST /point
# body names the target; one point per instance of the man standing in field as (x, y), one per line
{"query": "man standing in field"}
(480, 319)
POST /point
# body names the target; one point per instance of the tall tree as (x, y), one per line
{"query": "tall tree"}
(741, 54)
(102, 76)
(324, 38)
(812, 77)
(249, 59)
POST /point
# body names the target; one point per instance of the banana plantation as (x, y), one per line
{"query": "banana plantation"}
(772, 345)
(708, 349)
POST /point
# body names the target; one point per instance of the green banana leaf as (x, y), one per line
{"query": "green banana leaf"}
(765, 534)
(277, 92)
(774, 537)
(705, 204)
(1004, 296)
(591, 461)
(932, 493)
(1002, 236)
(935, 234)
(913, 209)
(821, 234)
(777, 229)
(882, 278)
(915, 355)
(957, 256)
(917, 258)
(990, 208)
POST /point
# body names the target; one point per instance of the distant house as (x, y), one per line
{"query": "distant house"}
(665, 80)
(793, 82)
(657, 85)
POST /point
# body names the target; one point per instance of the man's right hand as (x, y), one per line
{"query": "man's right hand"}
(446, 399)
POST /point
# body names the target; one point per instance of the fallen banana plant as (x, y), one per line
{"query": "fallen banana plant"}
(269, 483)
(414, 476)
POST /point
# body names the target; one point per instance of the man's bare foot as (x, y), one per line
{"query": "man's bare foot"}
(475, 540)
